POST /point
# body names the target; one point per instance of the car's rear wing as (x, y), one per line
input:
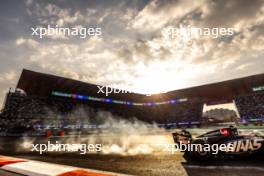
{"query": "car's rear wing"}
(183, 137)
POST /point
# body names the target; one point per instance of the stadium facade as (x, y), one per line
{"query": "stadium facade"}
(40, 94)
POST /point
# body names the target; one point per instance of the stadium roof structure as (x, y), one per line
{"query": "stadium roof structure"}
(40, 84)
(225, 90)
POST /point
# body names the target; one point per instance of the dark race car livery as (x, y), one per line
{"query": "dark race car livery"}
(237, 145)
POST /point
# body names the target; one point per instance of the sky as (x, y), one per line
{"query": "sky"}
(134, 51)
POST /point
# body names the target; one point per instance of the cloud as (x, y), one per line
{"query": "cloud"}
(51, 14)
(158, 14)
(76, 61)
(134, 50)
(230, 13)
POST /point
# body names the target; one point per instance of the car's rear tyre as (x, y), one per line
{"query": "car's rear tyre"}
(199, 154)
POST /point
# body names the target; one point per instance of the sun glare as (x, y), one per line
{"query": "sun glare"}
(155, 81)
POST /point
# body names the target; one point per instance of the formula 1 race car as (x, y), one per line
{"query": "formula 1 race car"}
(221, 143)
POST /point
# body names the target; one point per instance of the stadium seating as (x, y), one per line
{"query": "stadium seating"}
(251, 106)
(30, 112)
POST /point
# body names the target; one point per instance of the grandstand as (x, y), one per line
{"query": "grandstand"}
(47, 99)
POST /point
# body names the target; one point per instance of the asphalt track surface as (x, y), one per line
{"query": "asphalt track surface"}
(155, 164)
(5, 173)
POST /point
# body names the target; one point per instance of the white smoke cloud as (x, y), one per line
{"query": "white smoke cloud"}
(116, 134)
